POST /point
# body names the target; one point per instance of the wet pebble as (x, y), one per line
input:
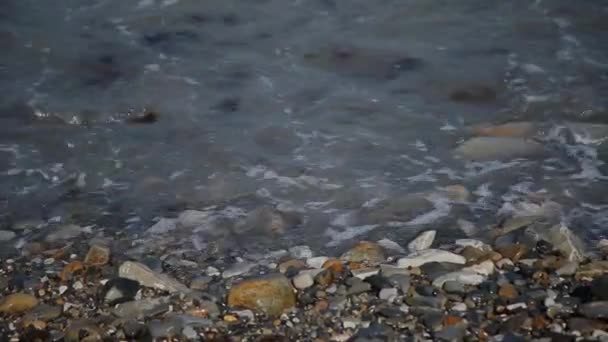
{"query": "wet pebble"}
(423, 241)
(271, 294)
(118, 290)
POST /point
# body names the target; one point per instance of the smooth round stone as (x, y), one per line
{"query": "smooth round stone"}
(461, 307)
(452, 286)
(17, 303)
(271, 294)
(303, 281)
(594, 309)
(118, 290)
(388, 294)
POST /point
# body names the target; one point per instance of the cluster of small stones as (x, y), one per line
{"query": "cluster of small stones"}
(506, 288)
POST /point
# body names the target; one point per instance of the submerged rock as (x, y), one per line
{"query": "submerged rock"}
(65, 232)
(430, 255)
(491, 148)
(523, 129)
(390, 245)
(143, 308)
(271, 294)
(565, 241)
(149, 278)
(97, 256)
(423, 241)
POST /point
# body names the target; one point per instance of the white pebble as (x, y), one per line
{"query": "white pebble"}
(303, 281)
(78, 285)
(516, 306)
(460, 307)
(212, 271)
(316, 262)
(388, 294)
(62, 289)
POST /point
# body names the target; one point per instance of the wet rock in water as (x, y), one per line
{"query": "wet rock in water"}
(276, 139)
(119, 290)
(270, 221)
(491, 148)
(365, 252)
(423, 241)
(192, 219)
(238, 269)
(358, 286)
(148, 278)
(301, 252)
(592, 269)
(565, 241)
(514, 252)
(521, 129)
(144, 308)
(390, 245)
(17, 303)
(594, 310)
(271, 294)
(98, 255)
(200, 283)
(388, 294)
(163, 226)
(62, 233)
(451, 333)
(7, 235)
(599, 287)
(474, 93)
(430, 255)
(568, 269)
(363, 62)
(82, 330)
(43, 312)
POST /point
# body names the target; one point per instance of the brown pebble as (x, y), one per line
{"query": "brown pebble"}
(451, 320)
(97, 256)
(70, 269)
(513, 252)
(321, 306)
(334, 265)
(17, 303)
(539, 322)
(365, 252)
(508, 291)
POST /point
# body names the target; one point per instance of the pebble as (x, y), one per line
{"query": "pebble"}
(364, 273)
(98, 255)
(568, 269)
(473, 243)
(388, 294)
(303, 281)
(17, 303)
(599, 287)
(485, 268)
(64, 232)
(118, 290)
(365, 252)
(430, 255)
(295, 264)
(508, 291)
(301, 252)
(212, 271)
(148, 278)
(461, 307)
(423, 241)
(350, 322)
(390, 245)
(143, 308)
(271, 294)
(463, 277)
(237, 269)
(316, 262)
(597, 309)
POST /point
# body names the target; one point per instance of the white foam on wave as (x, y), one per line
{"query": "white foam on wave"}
(441, 209)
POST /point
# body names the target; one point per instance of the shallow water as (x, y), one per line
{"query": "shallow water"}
(348, 114)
